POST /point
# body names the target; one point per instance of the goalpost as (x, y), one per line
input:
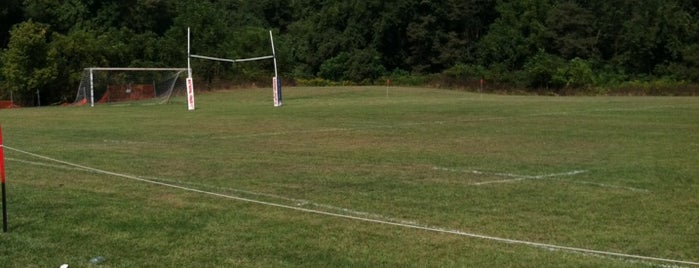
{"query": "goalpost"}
(119, 84)
(276, 81)
(116, 84)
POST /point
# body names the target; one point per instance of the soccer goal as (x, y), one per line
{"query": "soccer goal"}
(143, 85)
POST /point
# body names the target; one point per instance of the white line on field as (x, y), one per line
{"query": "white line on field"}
(519, 177)
(281, 133)
(366, 219)
(298, 202)
(511, 175)
(515, 177)
(606, 185)
(44, 164)
(525, 177)
(130, 142)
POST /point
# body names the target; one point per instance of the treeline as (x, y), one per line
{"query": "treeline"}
(554, 45)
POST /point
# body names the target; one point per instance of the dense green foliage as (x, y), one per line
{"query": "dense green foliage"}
(551, 44)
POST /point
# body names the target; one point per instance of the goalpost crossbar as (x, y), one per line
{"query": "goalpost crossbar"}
(133, 69)
(230, 60)
(276, 82)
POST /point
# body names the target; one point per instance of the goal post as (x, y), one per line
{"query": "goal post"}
(123, 84)
(276, 80)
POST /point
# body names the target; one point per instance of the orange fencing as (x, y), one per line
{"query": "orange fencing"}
(5, 104)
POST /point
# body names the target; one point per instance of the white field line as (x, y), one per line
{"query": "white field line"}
(525, 177)
(514, 177)
(44, 164)
(606, 185)
(282, 133)
(298, 202)
(591, 252)
(518, 177)
(130, 142)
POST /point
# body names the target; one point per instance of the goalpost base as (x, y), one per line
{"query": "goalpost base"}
(190, 94)
(277, 91)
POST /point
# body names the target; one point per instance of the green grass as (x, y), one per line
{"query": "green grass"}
(429, 158)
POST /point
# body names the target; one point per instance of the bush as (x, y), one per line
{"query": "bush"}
(466, 72)
(362, 66)
(544, 70)
(610, 76)
(664, 86)
(335, 68)
(578, 74)
(315, 82)
(400, 77)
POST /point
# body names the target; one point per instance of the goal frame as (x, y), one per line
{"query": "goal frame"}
(135, 69)
(276, 80)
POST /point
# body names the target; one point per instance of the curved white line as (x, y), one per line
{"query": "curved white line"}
(364, 219)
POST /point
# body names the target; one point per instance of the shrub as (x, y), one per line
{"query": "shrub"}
(544, 70)
(578, 74)
(361, 66)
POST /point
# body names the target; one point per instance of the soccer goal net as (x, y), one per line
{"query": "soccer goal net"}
(146, 85)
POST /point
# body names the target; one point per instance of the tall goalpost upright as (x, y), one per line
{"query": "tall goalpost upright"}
(190, 82)
(276, 81)
(123, 91)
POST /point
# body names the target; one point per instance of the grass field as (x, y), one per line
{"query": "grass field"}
(356, 177)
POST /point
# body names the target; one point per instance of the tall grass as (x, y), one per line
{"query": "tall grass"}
(614, 174)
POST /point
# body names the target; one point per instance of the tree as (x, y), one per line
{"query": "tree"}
(335, 27)
(10, 14)
(62, 16)
(641, 37)
(571, 32)
(510, 41)
(517, 34)
(74, 52)
(362, 66)
(544, 70)
(443, 33)
(26, 66)
(209, 29)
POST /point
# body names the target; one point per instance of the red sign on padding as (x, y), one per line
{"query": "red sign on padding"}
(190, 94)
